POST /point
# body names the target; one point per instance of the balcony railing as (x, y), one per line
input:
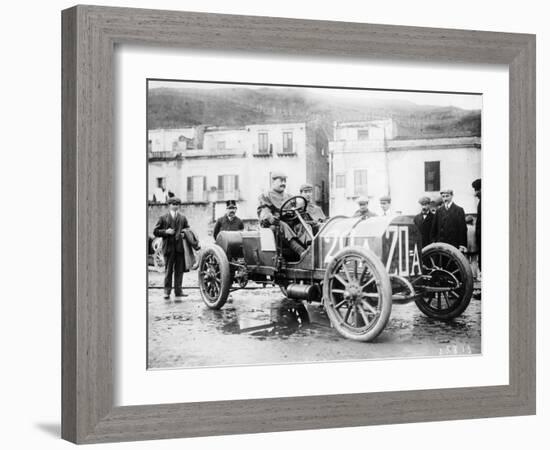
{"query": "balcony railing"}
(223, 196)
(197, 197)
(210, 152)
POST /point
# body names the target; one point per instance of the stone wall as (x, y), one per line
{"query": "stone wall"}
(199, 217)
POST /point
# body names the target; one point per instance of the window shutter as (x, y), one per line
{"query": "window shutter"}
(189, 184)
(220, 183)
(204, 184)
(236, 182)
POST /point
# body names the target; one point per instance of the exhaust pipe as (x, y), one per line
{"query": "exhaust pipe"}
(309, 292)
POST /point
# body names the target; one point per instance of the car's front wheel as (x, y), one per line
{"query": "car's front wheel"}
(357, 294)
(214, 277)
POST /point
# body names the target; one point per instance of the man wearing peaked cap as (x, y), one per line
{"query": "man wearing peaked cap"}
(363, 210)
(229, 221)
(424, 220)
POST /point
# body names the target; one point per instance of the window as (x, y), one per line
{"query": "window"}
(220, 145)
(360, 182)
(196, 189)
(432, 176)
(161, 182)
(228, 187)
(287, 142)
(340, 180)
(263, 143)
(363, 134)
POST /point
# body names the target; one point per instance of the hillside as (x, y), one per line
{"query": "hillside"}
(177, 108)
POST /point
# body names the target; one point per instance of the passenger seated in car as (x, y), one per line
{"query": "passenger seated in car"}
(314, 214)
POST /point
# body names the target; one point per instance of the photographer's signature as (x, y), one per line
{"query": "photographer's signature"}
(456, 349)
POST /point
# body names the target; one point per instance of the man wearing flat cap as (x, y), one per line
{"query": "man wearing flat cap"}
(449, 224)
(385, 205)
(170, 227)
(424, 220)
(270, 203)
(436, 203)
(364, 212)
(315, 213)
(476, 185)
(229, 221)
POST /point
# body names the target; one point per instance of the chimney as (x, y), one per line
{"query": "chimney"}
(199, 136)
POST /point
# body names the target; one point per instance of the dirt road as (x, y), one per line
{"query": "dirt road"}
(261, 326)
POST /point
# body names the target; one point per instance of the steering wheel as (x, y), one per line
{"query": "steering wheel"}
(290, 208)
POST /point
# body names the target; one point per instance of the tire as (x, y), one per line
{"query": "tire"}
(214, 277)
(364, 290)
(158, 257)
(443, 261)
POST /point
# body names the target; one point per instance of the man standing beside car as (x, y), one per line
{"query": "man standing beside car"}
(170, 228)
(476, 184)
(424, 220)
(449, 224)
(230, 221)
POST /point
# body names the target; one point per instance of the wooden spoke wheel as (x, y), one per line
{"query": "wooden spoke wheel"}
(448, 285)
(158, 257)
(214, 277)
(357, 294)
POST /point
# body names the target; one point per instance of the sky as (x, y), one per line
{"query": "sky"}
(464, 101)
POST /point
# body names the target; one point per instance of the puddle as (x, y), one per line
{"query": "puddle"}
(281, 319)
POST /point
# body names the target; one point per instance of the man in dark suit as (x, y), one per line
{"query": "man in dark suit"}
(476, 184)
(424, 220)
(449, 224)
(170, 228)
(230, 221)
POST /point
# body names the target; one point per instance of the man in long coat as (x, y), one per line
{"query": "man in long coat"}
(424, 220)
(477, 188)
(170, 228)
(269, 204)
(449, 224)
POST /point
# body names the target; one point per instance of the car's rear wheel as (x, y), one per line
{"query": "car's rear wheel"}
(357, 294)
(214, 277)
(449, 282)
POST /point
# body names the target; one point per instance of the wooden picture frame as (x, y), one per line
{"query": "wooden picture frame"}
(90, 34)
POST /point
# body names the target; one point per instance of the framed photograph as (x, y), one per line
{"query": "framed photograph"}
(268, 230)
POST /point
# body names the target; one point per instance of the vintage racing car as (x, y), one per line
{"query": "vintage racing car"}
(356, 267)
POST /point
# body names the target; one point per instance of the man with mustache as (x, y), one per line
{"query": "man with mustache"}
(230, 221)
(269, 204)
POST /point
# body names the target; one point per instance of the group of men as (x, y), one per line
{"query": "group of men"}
(443, 221)
(440, 220)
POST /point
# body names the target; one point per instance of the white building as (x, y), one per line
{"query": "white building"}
(165, 140)
(367, 159)
(236, 163)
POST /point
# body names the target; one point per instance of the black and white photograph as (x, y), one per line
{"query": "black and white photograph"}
(300, 224)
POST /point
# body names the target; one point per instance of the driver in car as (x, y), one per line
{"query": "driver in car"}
(296, 236)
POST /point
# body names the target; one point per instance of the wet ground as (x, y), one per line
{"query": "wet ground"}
(261, 326)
